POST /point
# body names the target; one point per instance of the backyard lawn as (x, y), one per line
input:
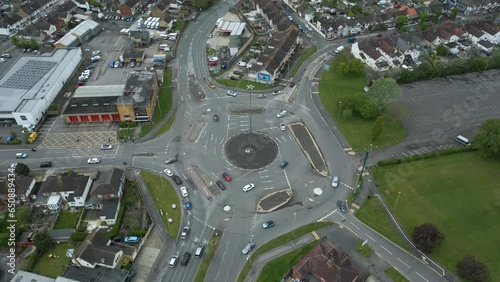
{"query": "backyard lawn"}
(164, 195)
(242, 83)
(67, 220)
(356, 129)
(459, 193)
(276, 269)
(163, 105)
(53, 267)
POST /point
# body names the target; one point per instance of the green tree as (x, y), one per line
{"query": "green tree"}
(342, 69)
(356, 67)
(202, 4)
(347, 113)
(377, 128)
(454, 12)
(438, 14)
(401, 22)
(356, 9)
(423, 17)
(424, 26)
(487, 139)
(426, 237)
(15, 40)
(22, 169)
(368, 109)
(383, 91)
(472, 269)
(33, 44)
(441, 50)
(43, 242)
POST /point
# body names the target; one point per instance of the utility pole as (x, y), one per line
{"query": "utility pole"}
(250, 87)
(340, 110)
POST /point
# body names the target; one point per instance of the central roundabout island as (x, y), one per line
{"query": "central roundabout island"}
(251, 150)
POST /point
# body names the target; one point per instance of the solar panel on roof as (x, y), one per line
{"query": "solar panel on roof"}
(29, 74)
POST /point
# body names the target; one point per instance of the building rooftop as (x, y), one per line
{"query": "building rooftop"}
(99, 91)
(139, 87)
(84, 27)
(98, 273)
(90, 105)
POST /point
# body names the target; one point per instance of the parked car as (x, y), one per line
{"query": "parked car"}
(283, 164)
(2, 60)
(241, 64)
(106, 147)
(6, 55)
(234, 78)
(45, 164)
(185, 232)
(248, 248)
(248, 187)
(276, 93)
(171, 160)
(282, 113)
(342, 206)
(184, 192)
(173, 261)
(282, 127)
(226, 176)
(94, 161)
(90, 67)
(221, 185)
(268, 224)
(176, 179)
(117, 64)
(335, 182)
(80, 83)
(96, 53)
(231, 93)
(168, 172)
(130, 239)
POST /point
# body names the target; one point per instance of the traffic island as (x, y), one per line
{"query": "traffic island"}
(274, 201)
(309, 147)
(251, 150)
(246, 111)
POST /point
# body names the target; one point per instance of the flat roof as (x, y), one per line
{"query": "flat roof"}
(99, 91)
(91, 105)
(31, 77)
(139, 87)
(84, 27)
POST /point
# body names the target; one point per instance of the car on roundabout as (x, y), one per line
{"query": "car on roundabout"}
(176, 179)
(282, 113)
(342, 206)
(283, 164)
(268, 224)
(248, 187)
(211, 85)
(248, 248)
(231, 93)
(226, 176)
(184, 192)
(335, 182)
(282, 127)
(262, 95)
(93, 161)
(168, 172)
(171, 161)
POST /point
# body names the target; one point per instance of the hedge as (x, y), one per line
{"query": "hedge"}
(428, 155)
(116, 228)
(78, 236)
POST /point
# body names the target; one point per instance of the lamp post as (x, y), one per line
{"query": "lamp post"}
(250, 87)
(293, 231)
(397, 199)
(340, 110)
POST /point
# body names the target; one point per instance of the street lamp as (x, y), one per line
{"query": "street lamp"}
(397, 199)
(250, 87)
(340, 110)
(293, 231)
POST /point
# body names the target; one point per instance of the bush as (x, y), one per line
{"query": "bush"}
(427, 156)
(368, 109)
(138, 233)
(116, 228)
(78, 236)
(30, 261)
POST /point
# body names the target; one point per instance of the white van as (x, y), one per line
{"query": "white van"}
(172, 36)
(156, 25)
(462, 140)
(339, 49)
(164, 36)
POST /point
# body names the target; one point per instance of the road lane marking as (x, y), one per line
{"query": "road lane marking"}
(269, 188)
(386, 249)
(265, 176)
(262, 171)
(403, 262)
(268, 181)
(355, 225)
(370, 237)
(421, 276)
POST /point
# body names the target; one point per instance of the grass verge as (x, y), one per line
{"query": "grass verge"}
(278, 241)
(356, 130)
(164, 195)
(277, 268)
(309, 52)
(166, 126)
(22, 215)
(53, 267)
(163, 105)
(242, 84)
(466, 196)
(205, 262)
(67, 220)
(395, 275)
(364, 250)
(126, 133)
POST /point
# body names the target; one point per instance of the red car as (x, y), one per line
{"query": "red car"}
(226, 176)
(80, 83)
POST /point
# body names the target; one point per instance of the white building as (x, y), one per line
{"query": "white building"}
(33, 82)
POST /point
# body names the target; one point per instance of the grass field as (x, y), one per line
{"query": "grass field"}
(166, 126)
(207, 258)
(277, 268)
(52, 267)
(163, 105)
(66, 220)
(356, 130)
(242, 84)
(278, 241)
(164, 195)
(458, 193)
(308, 53)
(364, 250)
(395, 275)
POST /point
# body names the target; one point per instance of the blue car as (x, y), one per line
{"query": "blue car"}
(131, 239)
(268, 224)
(187, 205)
(283, 164)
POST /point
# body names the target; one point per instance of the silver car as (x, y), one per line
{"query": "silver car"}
(335, 182)
(248, 248)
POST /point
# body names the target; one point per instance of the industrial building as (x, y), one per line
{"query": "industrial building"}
(33, 82)
(79, 35)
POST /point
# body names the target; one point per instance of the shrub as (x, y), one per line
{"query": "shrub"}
(138, 232)
(368, 109)
(78, 236)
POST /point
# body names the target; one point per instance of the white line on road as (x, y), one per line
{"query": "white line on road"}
(268, 181)
(421, 276)
(212, 137)
(370, 237)
(386, 249)
(269, 188)
(355, 225)
(403, 262)
(265, 176)
(287, 181)
(262, 171)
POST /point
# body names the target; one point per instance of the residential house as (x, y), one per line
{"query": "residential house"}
(475, 34)
(446, 35)
(36, 9)
(95, 251)
(326, 263)
(130, 8)
(106, 194)
(65, 10)
(382, 54)
(73, 189)
(492, 32)
(82, 4)
(47, 29)
(411, 13)
(160, 9)
(10, 24)
(431, 39)
(96, 274)
(22, 191)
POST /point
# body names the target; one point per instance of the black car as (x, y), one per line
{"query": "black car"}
(185, 258)
(221, 185)
(342, 206)
(45, 164)
(171, 160)
(223, 65)
(216, 118)
(176, 179)
(233, 78)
